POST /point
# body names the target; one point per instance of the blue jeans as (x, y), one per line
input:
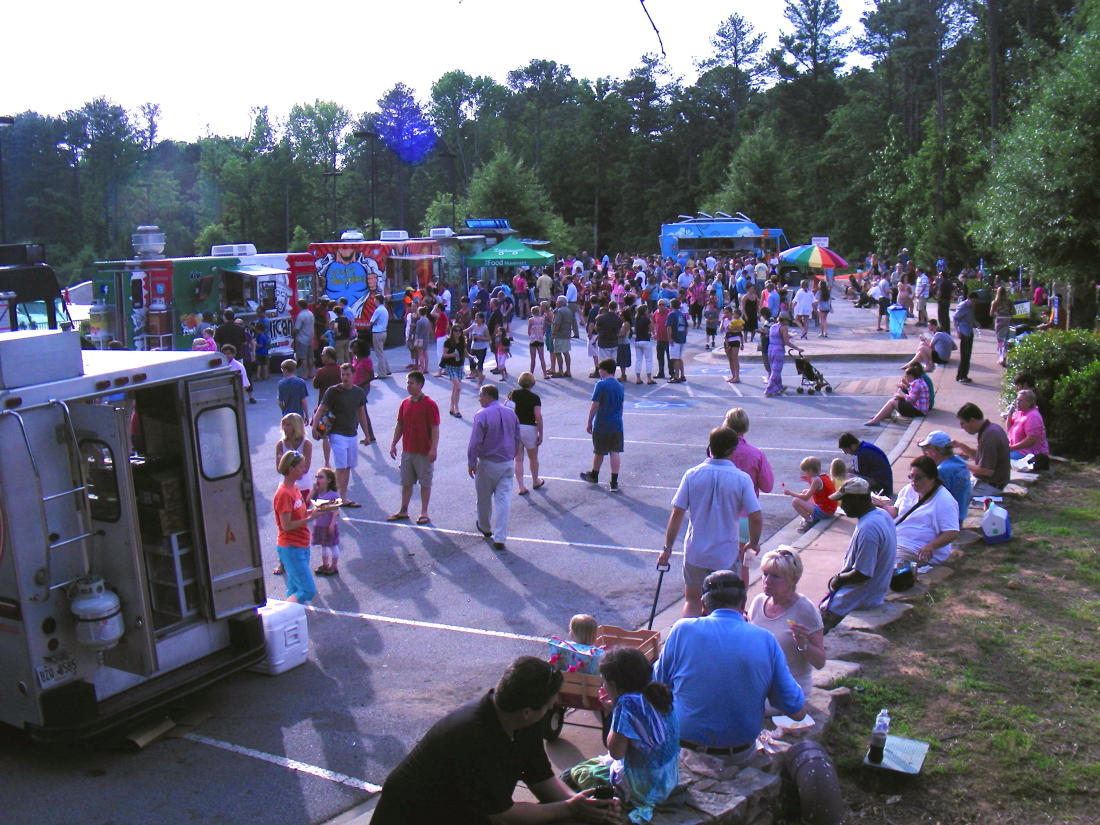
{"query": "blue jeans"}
(299, 578)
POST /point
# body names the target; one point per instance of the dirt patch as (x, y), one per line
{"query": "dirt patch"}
(999, 670)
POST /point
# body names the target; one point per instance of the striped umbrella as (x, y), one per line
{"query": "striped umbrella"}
(813, 256)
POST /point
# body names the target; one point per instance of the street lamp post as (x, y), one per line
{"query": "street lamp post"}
(364, 134)
(450, 157)
(332, 200)
(5, 121)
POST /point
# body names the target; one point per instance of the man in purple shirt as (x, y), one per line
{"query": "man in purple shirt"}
(491, 454)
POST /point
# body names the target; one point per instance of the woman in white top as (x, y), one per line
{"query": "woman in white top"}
(926, 515)
(793, 619)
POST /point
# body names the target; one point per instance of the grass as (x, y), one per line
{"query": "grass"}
(1000, 672)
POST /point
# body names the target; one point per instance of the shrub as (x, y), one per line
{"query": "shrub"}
(1049, 356)
(1077, 399)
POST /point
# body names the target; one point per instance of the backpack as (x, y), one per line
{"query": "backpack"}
(343, 328)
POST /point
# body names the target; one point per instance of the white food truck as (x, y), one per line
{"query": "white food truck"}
(129, 553)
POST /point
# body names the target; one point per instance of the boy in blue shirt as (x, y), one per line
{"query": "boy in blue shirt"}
(293, 391)
(605, 423)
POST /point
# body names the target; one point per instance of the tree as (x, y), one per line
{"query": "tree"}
(211, 235)
(505, 186)
(735, 67)
(814, 46)
(1041, 205)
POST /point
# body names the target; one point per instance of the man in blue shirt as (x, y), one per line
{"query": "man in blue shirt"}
(964, 326)
(677, 324)
(953, 471)
(721, 670)
(870, 462)
(605, 424)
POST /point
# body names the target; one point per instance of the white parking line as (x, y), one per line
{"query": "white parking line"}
(679, 414)
(450, 532)
(374, 617)
(699, 446)
(284, 762)
(638, 486)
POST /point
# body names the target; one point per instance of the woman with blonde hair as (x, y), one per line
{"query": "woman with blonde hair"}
(293, 440)
(1002, 309)
(793, 619)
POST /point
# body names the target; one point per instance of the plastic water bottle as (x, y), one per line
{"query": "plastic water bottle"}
(878, 737)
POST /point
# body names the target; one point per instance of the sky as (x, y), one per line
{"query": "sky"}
(208, 64)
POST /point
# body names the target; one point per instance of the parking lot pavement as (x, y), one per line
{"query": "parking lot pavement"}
(423, 618)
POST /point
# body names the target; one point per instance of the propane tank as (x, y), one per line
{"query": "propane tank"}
(97, 612)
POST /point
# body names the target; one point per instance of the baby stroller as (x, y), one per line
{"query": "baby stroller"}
(812, 379)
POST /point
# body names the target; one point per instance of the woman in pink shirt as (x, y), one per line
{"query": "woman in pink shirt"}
(1027, 433)
(751, 461)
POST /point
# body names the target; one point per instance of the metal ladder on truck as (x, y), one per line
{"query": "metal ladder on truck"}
(52, 541)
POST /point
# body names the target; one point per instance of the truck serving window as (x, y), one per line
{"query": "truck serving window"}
(219, 448)
(102, 481)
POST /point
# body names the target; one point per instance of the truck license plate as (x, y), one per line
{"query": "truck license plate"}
(56, 668)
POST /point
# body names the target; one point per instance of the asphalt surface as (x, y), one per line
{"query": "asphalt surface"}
(422, 619)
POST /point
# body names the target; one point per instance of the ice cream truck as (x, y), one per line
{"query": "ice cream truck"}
(129, 551)
(153, 302)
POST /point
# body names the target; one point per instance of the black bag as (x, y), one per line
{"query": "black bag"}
(904, 577)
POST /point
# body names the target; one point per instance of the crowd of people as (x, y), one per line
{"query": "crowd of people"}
(635, 311)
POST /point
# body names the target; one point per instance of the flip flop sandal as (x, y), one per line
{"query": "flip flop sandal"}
(398, 517)
(423, 520)
(539, 484)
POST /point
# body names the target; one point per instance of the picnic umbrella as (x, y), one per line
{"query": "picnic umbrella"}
(813, 256)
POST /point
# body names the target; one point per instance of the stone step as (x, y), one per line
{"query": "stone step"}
(874, 618)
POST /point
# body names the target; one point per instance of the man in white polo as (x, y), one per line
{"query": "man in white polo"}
(717, 494)
(379, 321)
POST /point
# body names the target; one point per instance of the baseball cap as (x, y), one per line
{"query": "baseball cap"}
(936, 438)
(855, 486)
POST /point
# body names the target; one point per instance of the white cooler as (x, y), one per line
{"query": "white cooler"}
(286, 637)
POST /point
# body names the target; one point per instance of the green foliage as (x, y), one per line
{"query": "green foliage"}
(1049, 356)
(1077, 399)
(299, 241)
(506, 187)
(211, 234)
(1041, 205)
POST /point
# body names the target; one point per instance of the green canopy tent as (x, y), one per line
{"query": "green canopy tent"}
(509, 252)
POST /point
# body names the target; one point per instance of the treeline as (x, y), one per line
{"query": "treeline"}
(971, 135)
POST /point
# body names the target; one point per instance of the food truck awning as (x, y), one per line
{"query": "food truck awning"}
(255, 270)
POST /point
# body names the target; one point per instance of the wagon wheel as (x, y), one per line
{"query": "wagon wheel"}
(552, 723)
(828, 388)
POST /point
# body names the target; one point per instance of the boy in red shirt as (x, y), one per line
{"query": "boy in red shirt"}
(813, 503)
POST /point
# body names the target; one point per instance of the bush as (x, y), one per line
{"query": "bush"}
(1049, 356)
(1077, 399)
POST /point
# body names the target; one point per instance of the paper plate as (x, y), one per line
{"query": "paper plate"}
(787, 723)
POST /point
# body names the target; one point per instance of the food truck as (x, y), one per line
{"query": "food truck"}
(158, 303)
(721, 233)
(153, 302)
(129, 551)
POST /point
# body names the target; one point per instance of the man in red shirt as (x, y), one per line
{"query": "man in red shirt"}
(660, 335)
(418, 431)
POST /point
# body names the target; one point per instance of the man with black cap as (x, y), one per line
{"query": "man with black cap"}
(864, 578)
(465, 769)
(721, 670)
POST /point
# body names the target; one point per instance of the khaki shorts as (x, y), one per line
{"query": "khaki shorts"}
(675, 351)
(562, 345)
(529, 436)
(921, 304)
(415, 467)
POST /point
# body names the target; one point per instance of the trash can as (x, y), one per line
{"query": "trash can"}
(898, 314)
